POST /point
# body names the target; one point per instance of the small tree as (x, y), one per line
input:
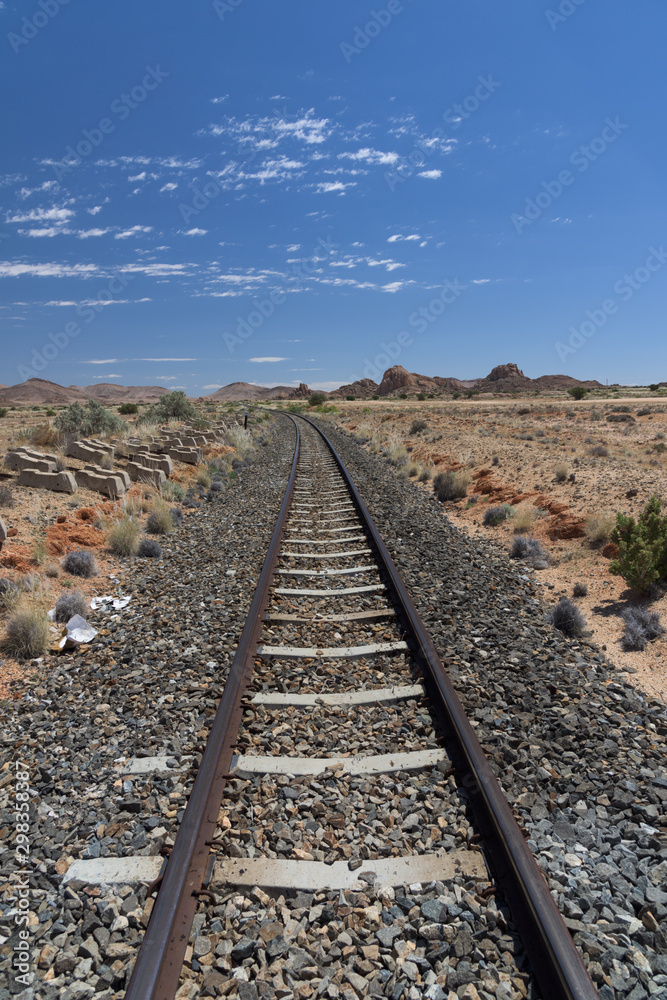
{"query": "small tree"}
(128, 408)
(642, 547)
(171, 406)
(92, 418)
(577, 391)
(654, 387)
(316, 399)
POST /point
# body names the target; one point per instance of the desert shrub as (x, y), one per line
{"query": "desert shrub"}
(620, 418)
(654, 387)
(641, 626)
(619, 408)
(42, 435)
(123, 536)
(72, 603)
(496, 515)
(127, 408)
(424, 475)
(599, 527)
(644, 412)
(316, 399)
(451, 485)
(80, 563)
(159, 520)
(172, 491)
(149, 548)
(171, 406)
(599, 451)
(3, 411)
(495, 460)
(52, 570)
(642, 547)
(176, 515)
(93, 418)
(417, 426)
(7, 498)
(216, 486)
(660, 448)
(9, 593)
(523, 410)
(350, 399)
(561, 472)
(529, 550)
(203, 478)
(523, 519)
(579, 590)
(396, 454)
(421, 396)
(567, 618)
(27, 633)
(577, 391)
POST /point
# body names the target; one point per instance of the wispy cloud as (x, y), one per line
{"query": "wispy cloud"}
(430, 175)
(133, 231)
(262, 360)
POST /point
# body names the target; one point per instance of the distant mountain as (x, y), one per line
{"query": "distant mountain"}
(239, 391)
(109, 392)
(39, 391)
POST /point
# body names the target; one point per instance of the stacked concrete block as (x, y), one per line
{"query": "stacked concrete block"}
(102, 481)
(61, 482)
(191, 456)
(18, 462)
(120, 473)
(85, 452)
(141, 474)
(151, 461)
(41, 455)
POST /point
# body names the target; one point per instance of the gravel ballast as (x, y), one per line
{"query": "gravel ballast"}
(579, 752)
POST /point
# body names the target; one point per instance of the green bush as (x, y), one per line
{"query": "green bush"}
(577, 391)
(3, 411)
(128, 408)
(92, 418)
(172, 406)
(316, 399)
(642, 547)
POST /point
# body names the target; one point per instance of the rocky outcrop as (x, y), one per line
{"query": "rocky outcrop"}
(303, 392)
(364, 388)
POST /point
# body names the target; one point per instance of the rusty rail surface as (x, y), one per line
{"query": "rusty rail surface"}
(555, 961)
(158, 967)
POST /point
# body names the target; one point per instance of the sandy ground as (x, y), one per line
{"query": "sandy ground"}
(515, 451)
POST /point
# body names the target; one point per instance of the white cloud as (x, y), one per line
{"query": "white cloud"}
(94, 210)
(164, 378)
(373, 156)
(138, 177)
(50, 231)
(480, 281)
(170, 186)
(83, 234)
(12, 269)
(396, 238)
(46, 186)
(430, 175)
(329, 187)
(194, 232)
(220, 100)
(262, 360)
(395, 286)
(215, 385)
(43, 215)
(134, 231)
(106, 376)
(61, 302)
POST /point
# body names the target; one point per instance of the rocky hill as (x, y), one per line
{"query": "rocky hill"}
(238, 391)
(108, 392)
(39, 391)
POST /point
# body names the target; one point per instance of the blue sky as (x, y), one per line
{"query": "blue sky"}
(286, 192)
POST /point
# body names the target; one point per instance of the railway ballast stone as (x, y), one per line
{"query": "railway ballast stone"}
(60, 482)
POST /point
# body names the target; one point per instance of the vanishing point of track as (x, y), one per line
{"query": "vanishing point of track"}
(334, 571)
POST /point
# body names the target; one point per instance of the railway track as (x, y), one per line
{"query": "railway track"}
(337, 732)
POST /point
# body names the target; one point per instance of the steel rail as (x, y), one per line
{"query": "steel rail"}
(556, 963)
(159, 962)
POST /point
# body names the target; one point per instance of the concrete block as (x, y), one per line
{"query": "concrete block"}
(192, 456)
(41, 455)
(110, 485)
(85, 452)
(61, 482)
(18, 462)
(119, 473)
(151, 461)
(140, 474)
